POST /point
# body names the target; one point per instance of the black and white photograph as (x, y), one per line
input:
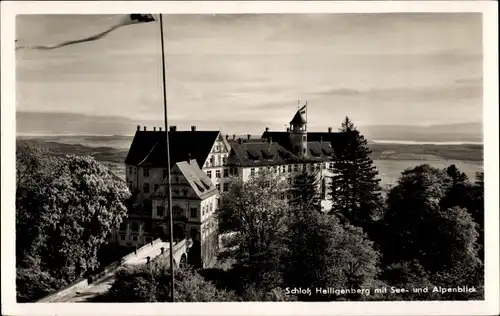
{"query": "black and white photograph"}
(249, 157)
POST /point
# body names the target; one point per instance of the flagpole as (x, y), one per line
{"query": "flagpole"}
(169, 190)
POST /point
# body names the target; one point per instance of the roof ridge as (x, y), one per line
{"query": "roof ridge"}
(154, 146)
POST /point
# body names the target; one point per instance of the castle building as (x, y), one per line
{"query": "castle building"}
(202, 164)
(288, 153)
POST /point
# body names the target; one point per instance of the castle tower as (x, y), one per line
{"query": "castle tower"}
(298, 133)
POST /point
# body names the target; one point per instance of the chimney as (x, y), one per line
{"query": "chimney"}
(321, 139)
(240, 141)
(288, 129)
(145, 128)
(248, 136)
(270, 140)
(173, 128)
(159, 128)
(193, 128)
(267, 129)
(329, 129)
(234, 137)
(227, 137)
(138, 127)
(154, 128)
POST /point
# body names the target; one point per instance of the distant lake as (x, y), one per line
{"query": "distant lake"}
(412, 142)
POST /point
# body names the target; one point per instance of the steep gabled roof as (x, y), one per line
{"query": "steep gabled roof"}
(148, 147)
(259, 154)
(196, 178)
(298, 119)
(320, 151)
(283, 138)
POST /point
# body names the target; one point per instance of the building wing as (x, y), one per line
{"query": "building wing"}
(149, 147)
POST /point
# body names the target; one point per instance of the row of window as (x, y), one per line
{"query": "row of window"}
(146, 189)
(225, 187)
(216, 161)
(145, 172)
(193, 211)
(209, 228)
(226, 173)
(295, 168)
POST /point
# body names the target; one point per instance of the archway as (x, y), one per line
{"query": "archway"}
(183, 261)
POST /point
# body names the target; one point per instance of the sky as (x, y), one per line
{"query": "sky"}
(378, 69)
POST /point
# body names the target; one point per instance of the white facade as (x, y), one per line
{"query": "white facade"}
(215, 165)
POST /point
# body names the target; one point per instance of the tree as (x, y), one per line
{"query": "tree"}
(443, 241)
(255, 213)
(151, 283)
(477, 210)
(460, 192)
(304, 190)
(65, 210)
(470, 196)
(356, 192)
(408, 275)
(322, 253)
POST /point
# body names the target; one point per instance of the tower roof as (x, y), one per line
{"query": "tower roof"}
(298, 119)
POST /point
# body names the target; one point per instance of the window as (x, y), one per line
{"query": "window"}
(226, 173)
(289, 168)
(217, 174)
(212, 161)
(217, 186)
(122, 237)
(134, 226)
(184, 192)
(123, 226)
(164, 173)
(235, 171)
(156, 186)
(226, 186)
(216, 203)
(217, 148)
(160, 211)
(209, 174)
(224, 160)
(145, 172)
(303, 150)
(295, 168)
(194, 212)
(219, 160)
(252, 171)
(130, 184)
(211, 205)
(176, 192)
(289, 180)
(134, 238)
(304, 138)
(130, 170)
(145, 187)
(323, 189)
